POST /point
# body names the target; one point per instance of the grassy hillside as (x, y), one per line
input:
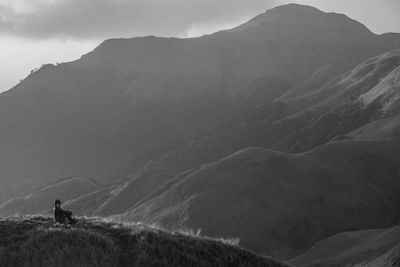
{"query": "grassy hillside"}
(377, 247)
(36, 241)
(281, 204)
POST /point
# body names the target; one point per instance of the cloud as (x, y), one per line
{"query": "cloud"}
(88, 19)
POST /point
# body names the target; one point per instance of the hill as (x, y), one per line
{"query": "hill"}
(35, 241)
(129, 101)
(281, 204)
(42, 199)
(374, 247)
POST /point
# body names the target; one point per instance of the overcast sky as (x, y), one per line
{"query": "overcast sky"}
(33, 32)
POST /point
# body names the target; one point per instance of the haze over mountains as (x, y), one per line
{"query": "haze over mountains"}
(282, 131)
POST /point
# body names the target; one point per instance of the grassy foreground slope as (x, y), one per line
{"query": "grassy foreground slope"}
(36, 241)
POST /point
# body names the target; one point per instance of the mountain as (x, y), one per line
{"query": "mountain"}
(281, 204)
(373, 247)
(131, 101)
(42, 199)
(343, 112)
(36, 241)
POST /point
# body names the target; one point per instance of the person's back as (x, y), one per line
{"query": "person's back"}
(61, 215)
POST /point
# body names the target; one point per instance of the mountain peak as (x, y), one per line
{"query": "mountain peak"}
(292, 7)
(288, 11)
(302, 22)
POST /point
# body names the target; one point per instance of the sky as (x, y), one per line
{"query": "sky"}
(36, 32)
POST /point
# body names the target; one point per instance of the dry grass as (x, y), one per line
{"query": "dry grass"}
(35, 241)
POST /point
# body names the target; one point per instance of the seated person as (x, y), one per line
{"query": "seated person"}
(61, 216)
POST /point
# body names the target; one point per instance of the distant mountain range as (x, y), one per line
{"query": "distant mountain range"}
(283, 131)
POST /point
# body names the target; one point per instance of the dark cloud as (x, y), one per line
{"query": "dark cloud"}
(87, 19)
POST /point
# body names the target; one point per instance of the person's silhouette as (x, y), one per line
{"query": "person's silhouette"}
(61, 216)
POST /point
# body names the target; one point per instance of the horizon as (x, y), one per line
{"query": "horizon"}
(53, 47)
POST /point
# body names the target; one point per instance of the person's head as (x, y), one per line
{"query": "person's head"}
(57, 203)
